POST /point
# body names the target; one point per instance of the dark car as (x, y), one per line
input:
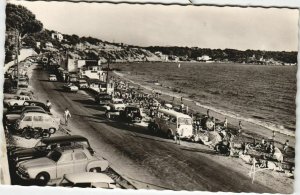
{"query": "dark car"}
(18, 108)
(131, 114)
(103, 98)
(45, 145)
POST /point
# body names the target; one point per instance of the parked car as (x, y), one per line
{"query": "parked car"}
(60, 161)
(70, 87)
(73, 78)
(45, 145)
(37, 120)
(82, 84)
(17, 100)
(103, 98)
(114, 107)
(10, 117)
(131, 114)
(88, 180)
(23, 82)
(52, 77)
(18, 108)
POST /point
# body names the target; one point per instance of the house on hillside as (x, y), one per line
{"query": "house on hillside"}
(57, 36)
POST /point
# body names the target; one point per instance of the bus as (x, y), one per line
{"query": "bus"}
(169, 122)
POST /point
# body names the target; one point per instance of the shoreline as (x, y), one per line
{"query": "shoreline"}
(250, 128)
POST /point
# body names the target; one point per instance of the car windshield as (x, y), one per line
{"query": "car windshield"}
(184, 121)
(55, 156)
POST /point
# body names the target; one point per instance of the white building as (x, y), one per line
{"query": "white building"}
(204, 58)
(58, 36)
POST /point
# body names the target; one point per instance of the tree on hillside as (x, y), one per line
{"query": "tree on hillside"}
(20, 18)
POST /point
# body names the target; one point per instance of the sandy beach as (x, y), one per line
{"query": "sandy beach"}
(250, 129)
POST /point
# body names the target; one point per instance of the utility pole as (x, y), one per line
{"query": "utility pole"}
(108, 61)
(17, 55)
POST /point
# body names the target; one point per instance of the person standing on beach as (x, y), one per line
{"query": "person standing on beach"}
(225, 123)
(240, 127)
(273, 136)
(286, 146)
(67, 115)
(208, 113)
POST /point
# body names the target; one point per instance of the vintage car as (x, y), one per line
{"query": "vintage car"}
(17, 100)
(18, 108)
(131, 114)
(37, 120)
(23, 82)
(52, 77)
(82, 84)
(114, 107)
(12, 116)
(88, 180)
(103, 98)
(61, 161)
(70, 87)
(45, 145)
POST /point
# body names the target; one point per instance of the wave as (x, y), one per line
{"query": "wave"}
(268, 125)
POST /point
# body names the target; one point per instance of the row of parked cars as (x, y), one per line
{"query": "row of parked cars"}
(63, 160)
(58, 160)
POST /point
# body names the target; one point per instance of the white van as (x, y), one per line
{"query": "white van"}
(170, 122)
(38, 119)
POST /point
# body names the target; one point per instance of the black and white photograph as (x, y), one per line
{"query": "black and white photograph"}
(150, 96)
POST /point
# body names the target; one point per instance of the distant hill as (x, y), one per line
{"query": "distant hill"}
(232, 55)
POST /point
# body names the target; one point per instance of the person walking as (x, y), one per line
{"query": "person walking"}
(67, 115)
(177, 138)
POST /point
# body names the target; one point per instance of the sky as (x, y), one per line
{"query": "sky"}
(157, 25)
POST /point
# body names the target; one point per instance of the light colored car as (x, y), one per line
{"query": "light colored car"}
(17, 100)
(37, 120)
(114, 107)
(52, 77)
(61, 161)
(82, 84)
(88, 179)
(70, 87)
(171, 122)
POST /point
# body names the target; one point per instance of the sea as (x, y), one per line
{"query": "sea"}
(260, 94)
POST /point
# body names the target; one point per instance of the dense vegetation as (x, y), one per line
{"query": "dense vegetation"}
(227, 54)
(20, 20)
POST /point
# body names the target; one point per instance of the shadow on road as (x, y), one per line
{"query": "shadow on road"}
(205, 151)
(86, 102)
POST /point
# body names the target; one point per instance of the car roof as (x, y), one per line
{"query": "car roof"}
(117, 99)
(88, 177)
(52, 75)
(65, 138)
(173, 113)
(35, 113)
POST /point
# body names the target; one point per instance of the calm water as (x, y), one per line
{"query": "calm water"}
(263, 93)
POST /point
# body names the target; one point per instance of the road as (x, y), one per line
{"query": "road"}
(146, 160)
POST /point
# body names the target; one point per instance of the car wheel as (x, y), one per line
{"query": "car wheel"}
(52, 130)
(95, 170)
(169, 135)
(108, 115)
(42, 178)
(15, 104)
